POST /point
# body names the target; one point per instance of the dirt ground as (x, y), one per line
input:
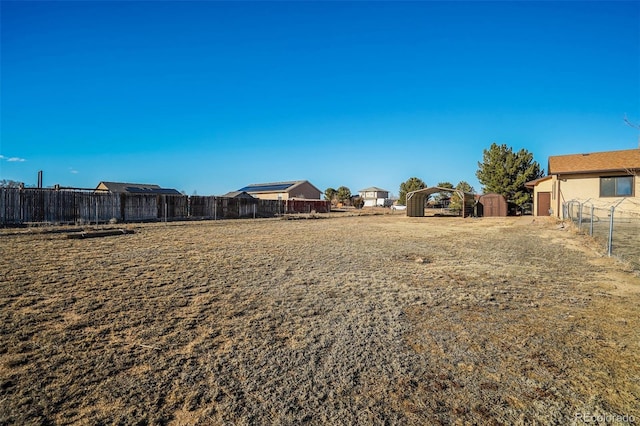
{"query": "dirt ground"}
(379, 319)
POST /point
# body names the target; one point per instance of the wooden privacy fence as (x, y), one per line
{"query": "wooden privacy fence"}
(307, 206)
(21, 206)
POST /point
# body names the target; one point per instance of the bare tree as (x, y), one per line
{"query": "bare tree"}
(633, 126)
(4, 183)
(630, 123)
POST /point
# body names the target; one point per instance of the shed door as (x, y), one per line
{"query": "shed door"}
(492, 206)
(488, 206)
(544, 203)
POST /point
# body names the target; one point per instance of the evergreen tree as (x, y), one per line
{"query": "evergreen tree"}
(440, 196)
(330, 194)
(505, 172)
(456, 201)
(465, 187)
(412, 184)
(343, 194)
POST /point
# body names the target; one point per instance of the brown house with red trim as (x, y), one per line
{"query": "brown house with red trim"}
(600, 178)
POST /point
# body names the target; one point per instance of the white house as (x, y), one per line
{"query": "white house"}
(375, 197)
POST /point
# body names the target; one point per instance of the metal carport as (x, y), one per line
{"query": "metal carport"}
(416, 200)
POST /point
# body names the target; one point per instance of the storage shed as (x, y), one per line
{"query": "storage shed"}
(492, 205)
(416, 200)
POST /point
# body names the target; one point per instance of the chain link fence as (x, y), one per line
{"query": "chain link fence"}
(616, 227)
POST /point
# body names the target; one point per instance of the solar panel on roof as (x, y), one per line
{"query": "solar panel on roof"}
(138, 190)
(275, 187)
(135, 190)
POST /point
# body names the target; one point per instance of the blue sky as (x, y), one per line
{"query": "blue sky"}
(208, 97)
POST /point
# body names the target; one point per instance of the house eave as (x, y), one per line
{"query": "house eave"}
(583, 172)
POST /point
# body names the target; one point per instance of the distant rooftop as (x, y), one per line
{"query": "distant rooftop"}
(373, 189)
(237, 194)
(270, 187)
(135, 188)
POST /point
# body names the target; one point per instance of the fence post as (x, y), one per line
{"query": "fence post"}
(580, 216)
(609, 250)
(591, 224)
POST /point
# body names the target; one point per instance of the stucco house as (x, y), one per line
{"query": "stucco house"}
(600, 178)
(375, 197)
(283, 190)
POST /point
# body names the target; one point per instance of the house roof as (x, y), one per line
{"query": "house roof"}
(373, 189)
(274, 186)
(136, 188)
(627, 159)
(237, 194)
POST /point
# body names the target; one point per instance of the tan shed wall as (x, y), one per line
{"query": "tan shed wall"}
(305, 190)
(270, 195)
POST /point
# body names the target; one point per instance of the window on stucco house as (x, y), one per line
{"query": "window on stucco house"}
(616, 186)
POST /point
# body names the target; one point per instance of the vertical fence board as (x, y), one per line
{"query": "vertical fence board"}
(10, 206)
(140, 207)
(307, 206)
(201, 207)
(172, 207)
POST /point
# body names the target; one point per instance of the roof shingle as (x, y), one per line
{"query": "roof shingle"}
(628, 159)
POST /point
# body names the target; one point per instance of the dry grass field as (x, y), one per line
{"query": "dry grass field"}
(379, 319)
